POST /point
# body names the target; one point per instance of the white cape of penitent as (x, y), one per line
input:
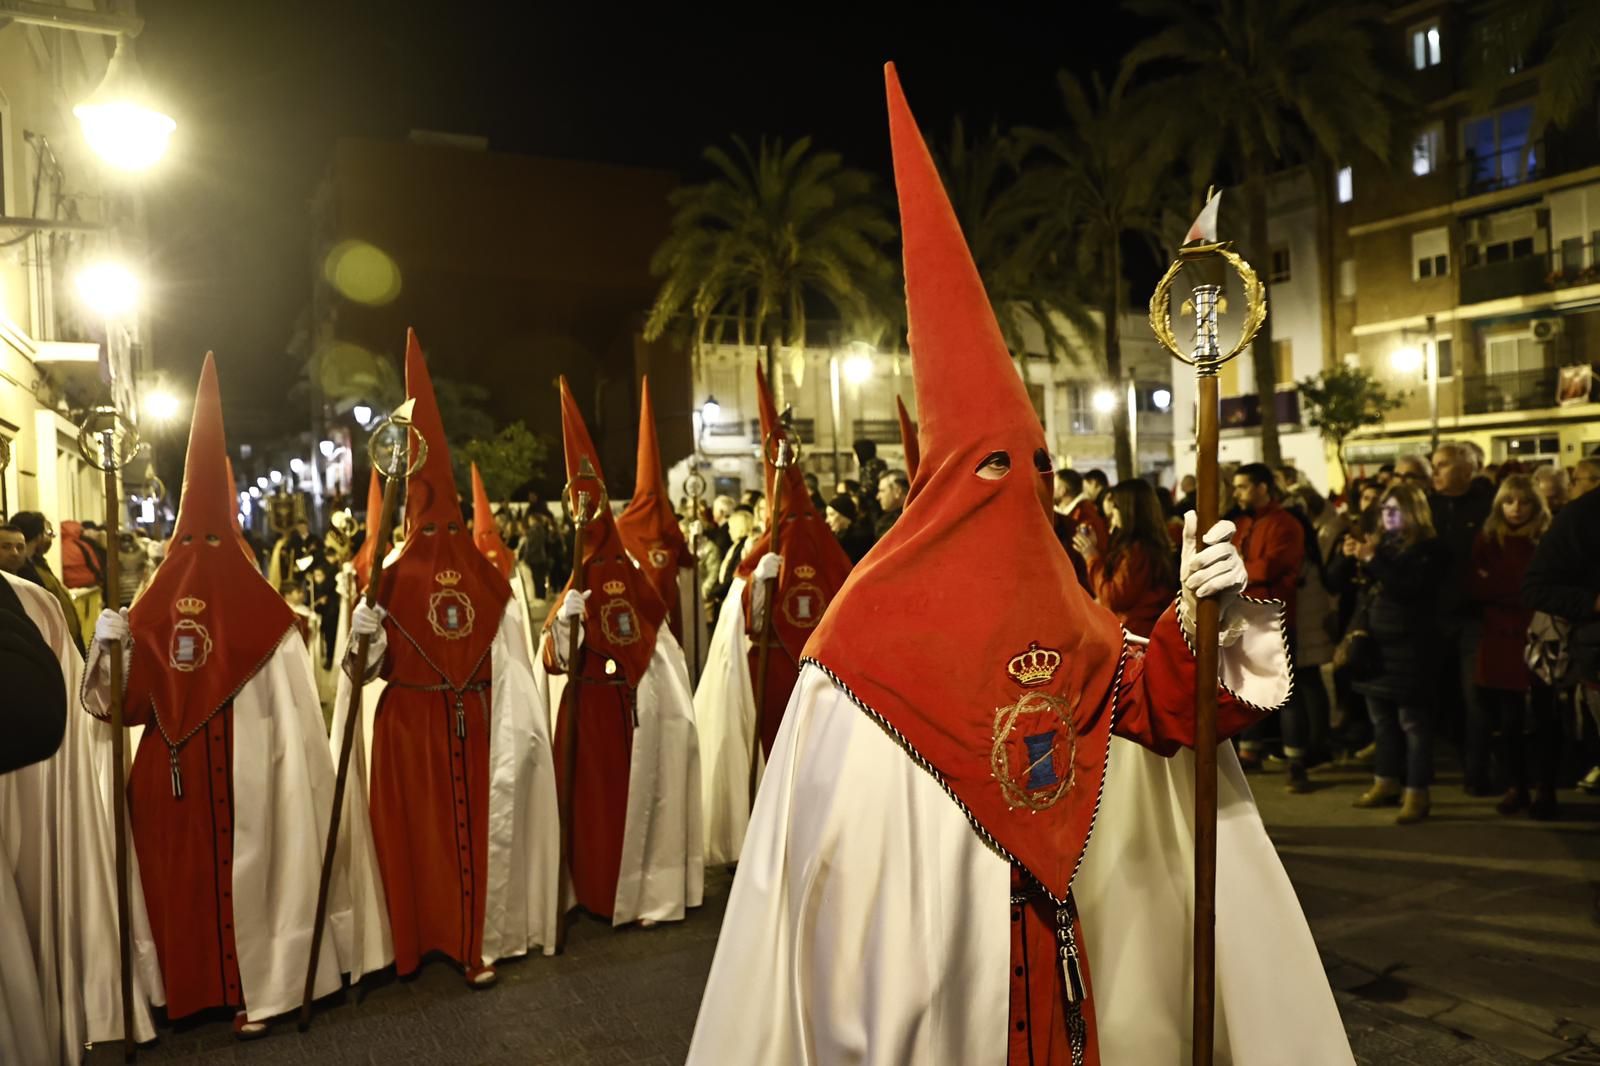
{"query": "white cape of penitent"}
(862, 888)
(524, 829)
(60, 985)
(662, 871)
(283, 784)
(725, 712)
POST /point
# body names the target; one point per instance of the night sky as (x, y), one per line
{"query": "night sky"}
(262, 90)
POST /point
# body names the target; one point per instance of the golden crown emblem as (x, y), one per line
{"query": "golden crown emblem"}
(191, 605)
(614, 587)
(1034, 667)
(448, 578)
(805, 573)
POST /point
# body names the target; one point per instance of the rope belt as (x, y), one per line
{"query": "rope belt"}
(459, 694)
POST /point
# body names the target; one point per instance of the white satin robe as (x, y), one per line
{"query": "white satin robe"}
(725, 712)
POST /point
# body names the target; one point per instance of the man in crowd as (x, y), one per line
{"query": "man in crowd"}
(1079, 510)
(41, 535)
(1186, 494)
(1273, 544)
(1460, 503)
(1415, 470)
(892, 489)
(1096, 484)
(13, 550)
(845, 522)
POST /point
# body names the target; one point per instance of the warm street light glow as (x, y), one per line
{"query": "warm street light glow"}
(108, 289)
(710, 410)
(1104, 400)
(858, 369)
(327, 449)
(117, 119)
(161, 405)
(363, 414)
(1162, 398)
(1406, 359)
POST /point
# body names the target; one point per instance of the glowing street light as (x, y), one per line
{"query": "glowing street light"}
(363, 414)
(1162, 398)
(118, 120)
(858, 369)
(161, 405)
(1406, 359)
(108, 289)
(710, 410)
(1104, 401)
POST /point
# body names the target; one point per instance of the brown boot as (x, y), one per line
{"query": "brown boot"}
(1414, 809)
(1385, 792)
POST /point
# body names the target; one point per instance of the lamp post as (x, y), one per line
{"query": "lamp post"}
(1408, 359)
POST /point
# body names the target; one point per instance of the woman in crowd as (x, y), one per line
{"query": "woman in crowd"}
(1136, 578)
(1500, 556)
(1400, 564)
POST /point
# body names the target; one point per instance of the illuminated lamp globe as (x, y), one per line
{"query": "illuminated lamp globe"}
(118, 120)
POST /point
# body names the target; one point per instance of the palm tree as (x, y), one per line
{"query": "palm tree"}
(1263, 83)
(1006, 226)
(776, 228)
(1569, 66)
(1106, 176)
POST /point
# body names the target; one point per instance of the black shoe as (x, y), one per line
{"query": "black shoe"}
(1298, 782)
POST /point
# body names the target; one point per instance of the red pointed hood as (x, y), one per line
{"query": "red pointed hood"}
(238, 526)
(1010, 696)
(648, 525)
(624, 610)
(362, 560)
(908, 438)
(441, 593)
(209, 620)
(485, 533)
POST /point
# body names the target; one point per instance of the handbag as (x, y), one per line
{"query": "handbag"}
(1357, 653)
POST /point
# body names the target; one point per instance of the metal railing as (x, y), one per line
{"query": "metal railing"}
(1477, 174)
(877, 430)
(1519, 390)
(1574, 262)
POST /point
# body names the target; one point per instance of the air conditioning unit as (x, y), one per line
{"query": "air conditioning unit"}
(1546, 329)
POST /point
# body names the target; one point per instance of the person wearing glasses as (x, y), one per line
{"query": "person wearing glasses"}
(1400, 565)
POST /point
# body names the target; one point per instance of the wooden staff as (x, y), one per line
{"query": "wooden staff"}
(695, 485)
(406, 462)
(119, 785)
(1209, 261)
(780, 462)
(570, 701)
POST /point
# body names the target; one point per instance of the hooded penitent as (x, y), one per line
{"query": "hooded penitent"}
(624, 610)
(648, 525)
(208, 620)
(441, 593)
(965, 628)
(362, 560)
(814, 566)
(908, 438)
(485, 532)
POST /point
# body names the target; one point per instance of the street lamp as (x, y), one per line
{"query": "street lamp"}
(118, 121)
(1162, 398)
(1409, 358)
(161, 405)
(1104, 401)
(858, 369)
(363, 414)
(1406, 359)
(709, 410)
(108, 289)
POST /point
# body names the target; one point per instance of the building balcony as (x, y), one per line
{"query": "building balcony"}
(1521, 390)
(1243, 412)
(1509, 277)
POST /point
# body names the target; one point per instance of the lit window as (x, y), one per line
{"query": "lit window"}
(1425, 151)
(1345, 181)
(1427, 47)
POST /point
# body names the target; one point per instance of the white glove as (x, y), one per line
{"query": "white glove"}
(112, 627)
(367, 621)
(1217, 570)
(574, 605)
(769, 567)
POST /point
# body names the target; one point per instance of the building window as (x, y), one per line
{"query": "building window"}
(1496, 150)
(1280, 266)
(1513, 355)
(1537, 450)
(1347, 279)
(1430, 254)
(1427, 47)
(1345, 184)
(1447, 358)
(1425, 150)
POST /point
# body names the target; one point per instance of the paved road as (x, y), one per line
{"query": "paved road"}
(1467, 940)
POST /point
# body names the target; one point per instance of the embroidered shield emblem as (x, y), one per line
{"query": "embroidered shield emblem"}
(190, 646)
(618, 622)
(1034, 756)
(659, 557)
(451, 614)
(803, 605)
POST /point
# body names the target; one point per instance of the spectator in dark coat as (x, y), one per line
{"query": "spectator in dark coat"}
(848, 527)
(1401, 566)
(1460, 503)
(1500, 558)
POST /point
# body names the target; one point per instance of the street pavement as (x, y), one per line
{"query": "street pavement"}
(1469, 939)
